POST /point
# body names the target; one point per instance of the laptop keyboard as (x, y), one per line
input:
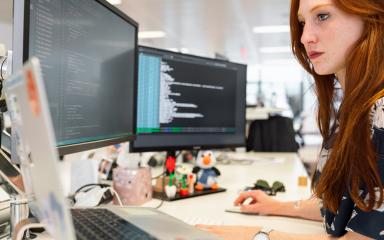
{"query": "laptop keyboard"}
(103, 224)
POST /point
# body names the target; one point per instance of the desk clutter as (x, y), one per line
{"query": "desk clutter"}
(197, 177)
(134, 186)
(263, 185)
(132, 179)
(182, 182)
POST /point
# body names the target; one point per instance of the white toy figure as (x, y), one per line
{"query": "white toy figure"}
(183, 173)
(170, 190)
(206, 171)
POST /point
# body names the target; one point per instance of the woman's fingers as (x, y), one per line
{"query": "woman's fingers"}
(243, 196)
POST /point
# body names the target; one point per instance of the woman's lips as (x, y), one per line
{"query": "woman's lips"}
(314, 55)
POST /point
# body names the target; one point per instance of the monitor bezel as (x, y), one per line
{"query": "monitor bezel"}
(134, 148)
(83, 146)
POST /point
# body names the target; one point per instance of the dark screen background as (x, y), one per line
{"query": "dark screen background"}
(87, 53)
(216, 105)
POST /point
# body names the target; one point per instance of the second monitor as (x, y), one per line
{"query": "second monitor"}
(189, 102)
(90, 74)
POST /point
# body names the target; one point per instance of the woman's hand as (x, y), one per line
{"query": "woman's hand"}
(260, 203)
(231, 232)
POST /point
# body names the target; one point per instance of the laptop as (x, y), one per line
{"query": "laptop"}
(28, 106)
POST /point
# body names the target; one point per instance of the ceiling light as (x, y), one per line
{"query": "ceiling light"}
(271, 29)
(280, 49)
(114, 2)
(151, 34)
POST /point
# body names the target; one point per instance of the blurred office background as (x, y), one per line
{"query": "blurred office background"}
(254, 32)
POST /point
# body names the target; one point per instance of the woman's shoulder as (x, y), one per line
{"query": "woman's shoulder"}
(377, 114)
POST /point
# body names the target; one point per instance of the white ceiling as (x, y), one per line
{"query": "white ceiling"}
(206, 27)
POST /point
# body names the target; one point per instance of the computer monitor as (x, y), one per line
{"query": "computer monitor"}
(88, 54)
(188, 102)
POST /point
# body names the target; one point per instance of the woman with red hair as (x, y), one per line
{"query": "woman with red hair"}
(340, 43)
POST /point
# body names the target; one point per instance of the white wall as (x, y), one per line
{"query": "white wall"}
(6, 9)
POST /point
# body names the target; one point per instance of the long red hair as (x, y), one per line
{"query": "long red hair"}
(352, 163)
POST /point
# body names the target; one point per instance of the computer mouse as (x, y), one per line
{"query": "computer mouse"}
(247, 201)
(237, 209)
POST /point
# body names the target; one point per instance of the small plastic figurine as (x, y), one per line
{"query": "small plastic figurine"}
(206, 171)
(170, 188)
(183, 186)
(183, 172)
(170, 165)
(191, 183)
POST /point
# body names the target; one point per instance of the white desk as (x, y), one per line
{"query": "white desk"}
(286, 167)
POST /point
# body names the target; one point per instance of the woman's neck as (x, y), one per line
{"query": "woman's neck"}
(340, 76)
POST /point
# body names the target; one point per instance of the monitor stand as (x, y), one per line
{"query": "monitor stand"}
(170, 164)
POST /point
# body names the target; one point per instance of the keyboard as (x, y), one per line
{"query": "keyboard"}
(103, 224)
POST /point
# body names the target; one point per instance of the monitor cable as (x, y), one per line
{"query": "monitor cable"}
(1, 70)
(158, 176)
(3, 105)
(94, 194)
(86, 186)
(117, 196)
(163, 174)
(162, 185)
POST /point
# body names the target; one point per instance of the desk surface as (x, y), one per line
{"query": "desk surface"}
(284, 167)
(210, 209)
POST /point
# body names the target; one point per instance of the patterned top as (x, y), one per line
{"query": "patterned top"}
(349, 217)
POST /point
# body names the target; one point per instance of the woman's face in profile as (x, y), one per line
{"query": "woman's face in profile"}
(328, 34)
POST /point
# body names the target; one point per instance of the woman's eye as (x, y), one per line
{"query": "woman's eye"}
(302, 23)
(322, 16)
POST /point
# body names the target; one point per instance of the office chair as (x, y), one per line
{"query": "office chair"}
(276, 134)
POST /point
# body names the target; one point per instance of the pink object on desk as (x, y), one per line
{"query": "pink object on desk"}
(134, 186)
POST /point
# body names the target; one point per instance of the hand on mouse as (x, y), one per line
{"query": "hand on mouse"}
(260, 203)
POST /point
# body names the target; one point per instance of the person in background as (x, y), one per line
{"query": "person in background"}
(339, 42)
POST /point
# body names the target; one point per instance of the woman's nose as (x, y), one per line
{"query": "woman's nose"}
(309, 35)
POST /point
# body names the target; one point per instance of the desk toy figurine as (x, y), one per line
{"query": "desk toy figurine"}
(182, 173)
(171, 189)
(206, 171)
(170, 165)
(191, 183)
(183, 187)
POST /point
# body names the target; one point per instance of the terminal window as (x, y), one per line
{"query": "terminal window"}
(185, 96)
